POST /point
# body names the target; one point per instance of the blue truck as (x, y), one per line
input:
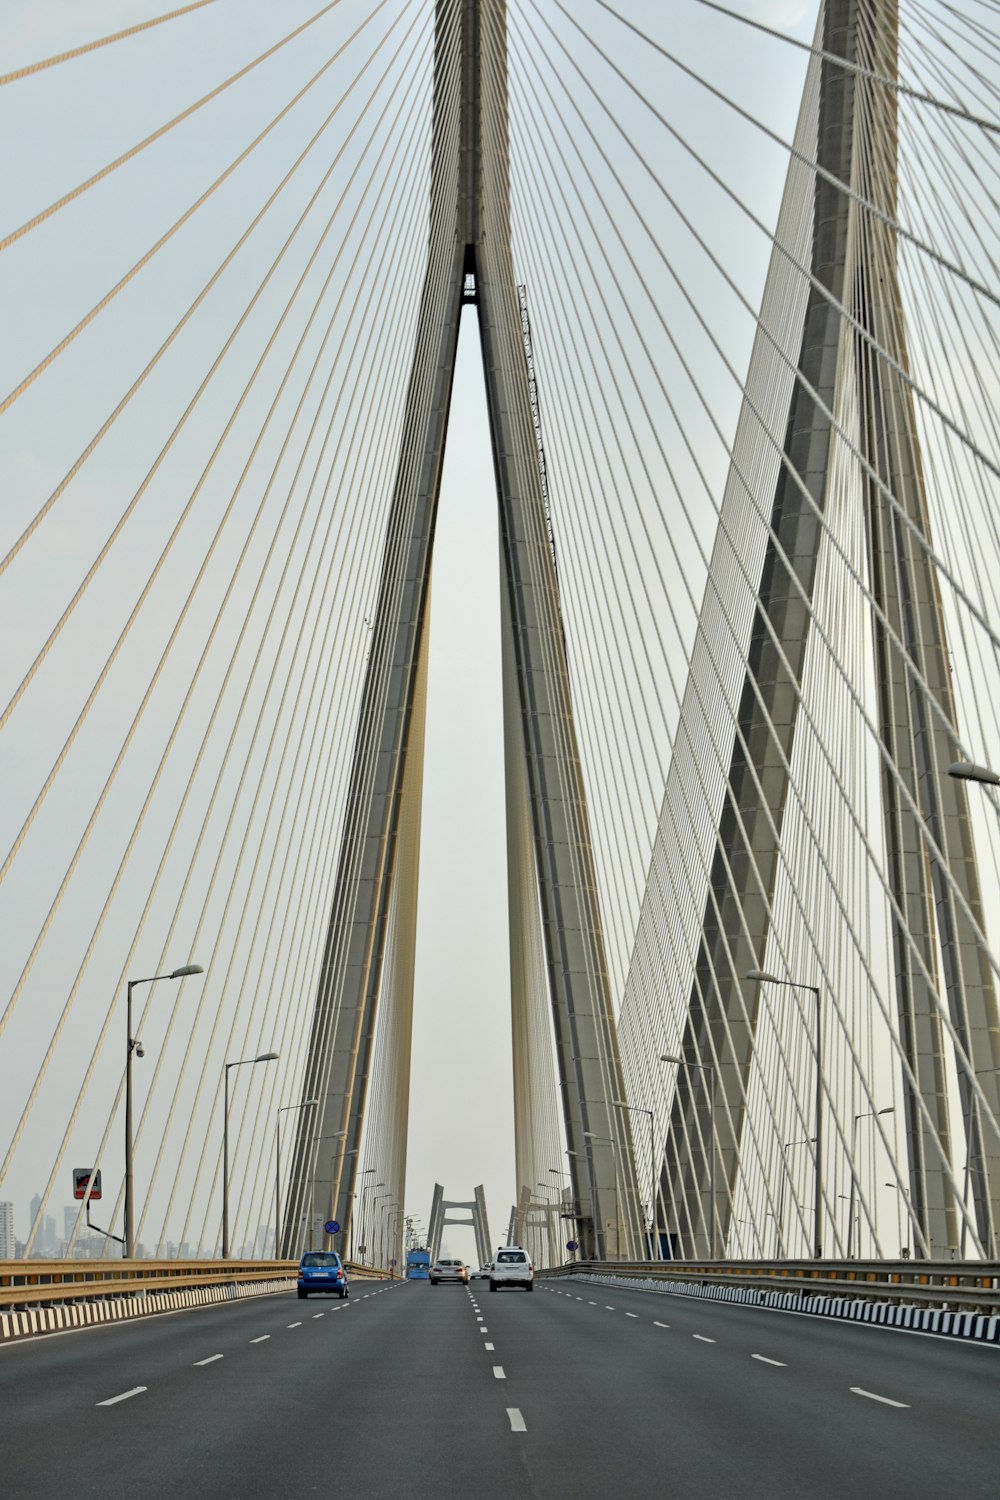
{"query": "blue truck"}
(418, 1265)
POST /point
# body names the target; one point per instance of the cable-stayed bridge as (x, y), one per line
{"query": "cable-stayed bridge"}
(735, 293)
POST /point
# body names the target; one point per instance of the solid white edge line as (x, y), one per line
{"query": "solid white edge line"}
(209, 1361)
(517, 1422)
(856, 1390)
(498, 1373)
(765, 1361)
(136, 1390)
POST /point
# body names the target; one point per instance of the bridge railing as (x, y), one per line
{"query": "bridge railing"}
(972, 1285)
(32, 1283)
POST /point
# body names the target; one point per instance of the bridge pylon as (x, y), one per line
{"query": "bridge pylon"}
(856, 364)
(554, 905)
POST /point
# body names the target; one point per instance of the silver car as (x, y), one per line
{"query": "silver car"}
(449, 1270)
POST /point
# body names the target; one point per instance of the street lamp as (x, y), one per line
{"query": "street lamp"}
(793, 984)
(368, 1171)
(909, 1211)
(134, 1045)
(965, 770)
(283, 1109)
(333, 1135)
(552, 1222)
(867, 1115)
(639, 1109)
(608, 1140)
(806, 1141)
(378, 1217)
(709, 1068)
(570, 1203)
(240, 1063)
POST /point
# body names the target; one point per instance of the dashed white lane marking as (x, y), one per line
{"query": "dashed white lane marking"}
(136, 1390)
(702, 1339)
(480, 1318)
(631, 1315)
(498, 1373)
(294, 1325)
(856, 1390)
(579, 1299)
(517, 1422)
(607, 1308)
(765, 1361)
(317, 1315)
(209, 1361)
(660, 1325)
(591, 1304)
(484, 1330)
(263, 1339)
(488, 1346)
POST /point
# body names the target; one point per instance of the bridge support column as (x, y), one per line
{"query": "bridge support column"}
(469, 260)
(853, 264)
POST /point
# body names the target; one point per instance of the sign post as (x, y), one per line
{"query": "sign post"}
(87, 1187)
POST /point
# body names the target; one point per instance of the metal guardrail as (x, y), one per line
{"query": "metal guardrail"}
(973, 1285)
(32, 1283)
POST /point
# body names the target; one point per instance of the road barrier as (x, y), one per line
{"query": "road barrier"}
(46, 1296)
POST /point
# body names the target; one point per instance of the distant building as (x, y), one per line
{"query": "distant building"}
(44, 1229)
(7, 1242)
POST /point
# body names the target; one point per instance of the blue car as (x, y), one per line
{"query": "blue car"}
(322, 1271)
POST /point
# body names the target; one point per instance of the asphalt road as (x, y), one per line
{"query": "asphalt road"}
(575, 1391)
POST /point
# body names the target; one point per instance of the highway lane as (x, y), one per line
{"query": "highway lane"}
(414, 1390)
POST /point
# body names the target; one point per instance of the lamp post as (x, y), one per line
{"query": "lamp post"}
(867, 1115)
(607, 1140)
(378, 1217)
(909, 1212)
(806, 1141)
(551, 1221)
(134, 1045)
(368, 1172)
(793, 984)
(283, 1109)
(240, 1063)
(639, 1109)
(570, 1204)
(709, 1068)
(333, 1135)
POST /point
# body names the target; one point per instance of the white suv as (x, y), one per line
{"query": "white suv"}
(511, 1267)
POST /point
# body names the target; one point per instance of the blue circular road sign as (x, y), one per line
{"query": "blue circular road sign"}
(331, 1226)
(572, 1245)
